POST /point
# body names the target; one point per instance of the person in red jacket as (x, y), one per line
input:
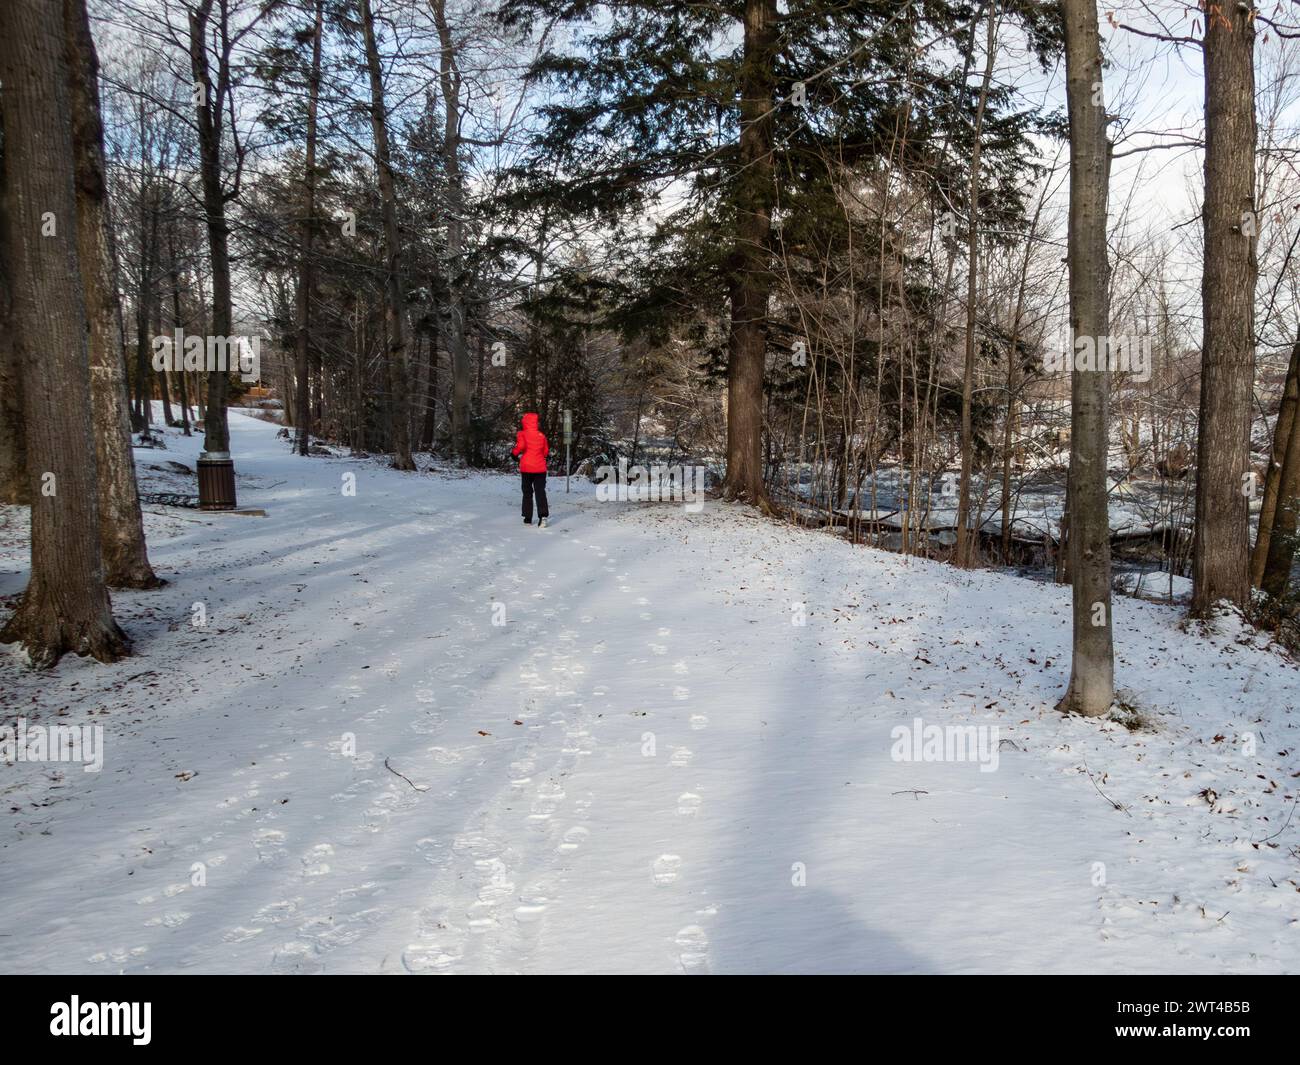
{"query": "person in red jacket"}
(531, 449)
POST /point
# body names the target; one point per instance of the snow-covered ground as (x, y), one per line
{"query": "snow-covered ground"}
(647, 766)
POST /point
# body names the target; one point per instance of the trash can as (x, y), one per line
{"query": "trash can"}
(216, 481)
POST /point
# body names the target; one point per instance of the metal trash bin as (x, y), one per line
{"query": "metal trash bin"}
(216, 481)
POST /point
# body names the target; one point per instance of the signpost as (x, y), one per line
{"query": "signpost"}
(568, 439)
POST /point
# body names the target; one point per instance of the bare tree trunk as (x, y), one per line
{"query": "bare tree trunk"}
(535, 342)
(121, 525)
(1008, 435)
(324, 416)
(156, 295)
(142, 409)
(216, 428)
(419, 386)
(430, 397)
(1092, 667)
(395, 306)
(1281, 436)
(748, 267)
(457, 341)
(302, 351)
(1281, 541)
(66, 605)
(1220, 557)
(185, 404)
(1013, 373)
(13, 440)
(481, 353)
(964, 537)
(177, 321)
(156, 376)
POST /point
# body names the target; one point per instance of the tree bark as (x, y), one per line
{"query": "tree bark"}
(457, 341)
(163, 376)
(430, 397)
(178, 321)
(1281, 541)
(216, 427)
(65, 606)
(964, 533)
(141, 408)
(395, 306)
(1277, 524)
(1092, 669)
(750, 281)
(1220, 556)
(121, 524)
(1281, 436)
(302, 353)
(1013, 372)
(13, 439)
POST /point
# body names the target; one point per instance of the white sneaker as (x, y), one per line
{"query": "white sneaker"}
(541, 523)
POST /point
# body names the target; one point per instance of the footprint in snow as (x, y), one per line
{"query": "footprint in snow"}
(693, 949)
(666, 868)
(532, 907)
(424, 958)
(688, 804)
(574, 838)
(170, 920)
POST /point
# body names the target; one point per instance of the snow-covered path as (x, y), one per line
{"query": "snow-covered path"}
(617, 753)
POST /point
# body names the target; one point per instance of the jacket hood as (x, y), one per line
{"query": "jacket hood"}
(530, 421)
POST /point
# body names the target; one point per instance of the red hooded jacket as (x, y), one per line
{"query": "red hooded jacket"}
(532, 442)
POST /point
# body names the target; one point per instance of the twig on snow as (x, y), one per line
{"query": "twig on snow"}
(1283, 828)
(417, 787)
(1122, 809)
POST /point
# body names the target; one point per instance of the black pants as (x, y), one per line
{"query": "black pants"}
(534, 484)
